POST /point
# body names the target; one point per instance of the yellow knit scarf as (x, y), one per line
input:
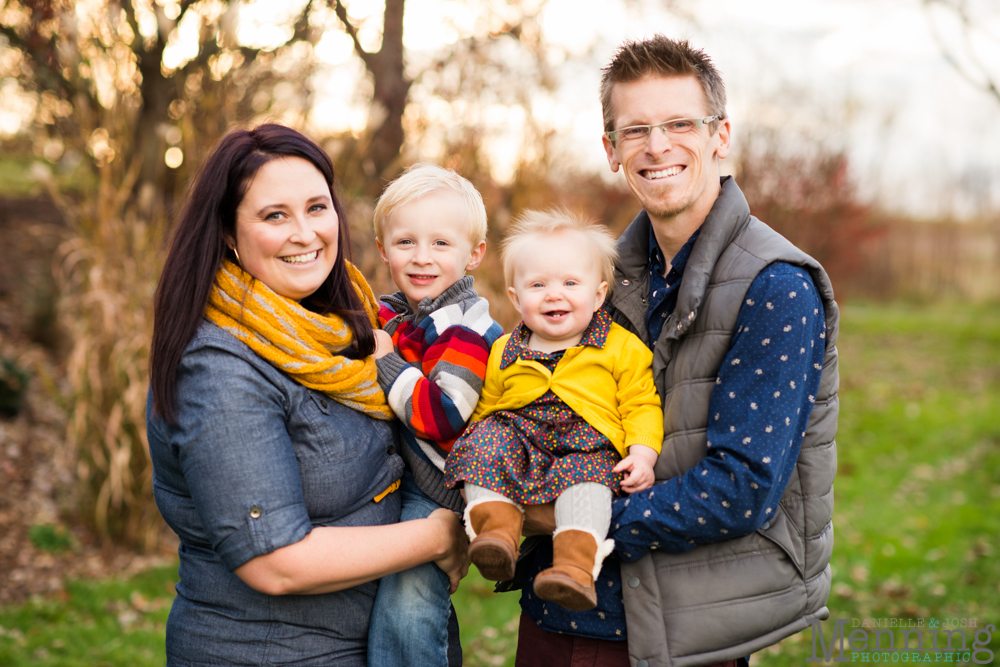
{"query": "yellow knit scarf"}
(301, 343)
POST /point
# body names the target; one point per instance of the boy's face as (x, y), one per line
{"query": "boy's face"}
(557, 288)
(427, 246)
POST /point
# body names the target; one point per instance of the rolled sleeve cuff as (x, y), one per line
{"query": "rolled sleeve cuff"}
(389, 368)
(263, 531)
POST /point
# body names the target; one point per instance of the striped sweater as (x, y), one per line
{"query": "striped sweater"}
(433, 377)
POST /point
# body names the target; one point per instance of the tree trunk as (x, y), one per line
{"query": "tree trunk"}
(392, 89)
(157, 93)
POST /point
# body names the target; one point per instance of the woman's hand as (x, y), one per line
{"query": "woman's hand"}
(383, 344)
(455, 561)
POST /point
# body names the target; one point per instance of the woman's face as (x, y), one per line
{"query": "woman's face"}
(287, 229)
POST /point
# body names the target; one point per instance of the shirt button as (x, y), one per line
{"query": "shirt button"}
(633, 582)
(254, 512)
(323, 402)
(642, 663)
(391, 450)
(767, 524)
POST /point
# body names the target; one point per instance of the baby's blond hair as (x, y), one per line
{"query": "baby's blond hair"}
(422, 179)
(551, 221)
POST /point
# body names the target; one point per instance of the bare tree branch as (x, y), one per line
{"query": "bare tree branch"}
(50, 74)
(979, 76)
(352, 31)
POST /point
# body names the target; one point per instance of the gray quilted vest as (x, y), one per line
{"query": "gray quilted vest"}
(726, 600)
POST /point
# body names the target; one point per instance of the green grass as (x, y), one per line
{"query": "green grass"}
(917, 515)
(117, 622)
(488, 622)
(917, 494)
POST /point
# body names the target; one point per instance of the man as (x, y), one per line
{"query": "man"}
(729, 552)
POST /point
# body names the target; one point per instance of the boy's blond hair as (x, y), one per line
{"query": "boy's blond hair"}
(422, 179)
(551, 221)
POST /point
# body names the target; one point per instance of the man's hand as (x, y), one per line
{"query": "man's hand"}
(638, 468)
(383, 344)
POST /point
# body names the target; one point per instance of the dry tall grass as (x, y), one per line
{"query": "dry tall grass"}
(107, 273)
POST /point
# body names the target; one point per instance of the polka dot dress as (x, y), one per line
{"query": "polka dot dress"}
(533, 454)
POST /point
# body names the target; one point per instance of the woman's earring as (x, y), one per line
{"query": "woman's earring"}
(237, 253)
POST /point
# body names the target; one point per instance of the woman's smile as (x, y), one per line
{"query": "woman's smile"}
(301, 259)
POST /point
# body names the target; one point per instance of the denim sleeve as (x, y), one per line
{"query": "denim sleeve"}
(758, 412)
(236, 456)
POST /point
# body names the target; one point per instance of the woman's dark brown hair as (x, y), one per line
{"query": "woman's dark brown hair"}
(199, 247)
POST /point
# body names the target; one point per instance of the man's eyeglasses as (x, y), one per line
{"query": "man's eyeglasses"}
(675, 127)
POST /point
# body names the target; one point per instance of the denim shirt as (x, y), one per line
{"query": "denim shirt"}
(255, 461)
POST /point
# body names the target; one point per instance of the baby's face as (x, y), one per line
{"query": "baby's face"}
(427, 246)
(557, 288)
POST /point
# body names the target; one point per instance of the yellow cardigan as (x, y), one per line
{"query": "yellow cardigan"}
(611, 388)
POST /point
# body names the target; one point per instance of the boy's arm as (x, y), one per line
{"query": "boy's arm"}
(436, 399)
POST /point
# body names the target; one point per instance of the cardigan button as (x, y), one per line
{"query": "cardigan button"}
(633, 582)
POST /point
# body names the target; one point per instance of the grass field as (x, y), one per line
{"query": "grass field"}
(917, 516)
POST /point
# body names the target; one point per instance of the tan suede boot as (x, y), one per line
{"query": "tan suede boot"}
(497, 529)
(570, 580)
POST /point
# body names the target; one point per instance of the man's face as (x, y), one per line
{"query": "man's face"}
(671, 176)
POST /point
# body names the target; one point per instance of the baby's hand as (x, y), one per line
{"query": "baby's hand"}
(638, 468)
(383, 344)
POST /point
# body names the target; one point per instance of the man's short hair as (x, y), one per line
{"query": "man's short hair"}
(552, 221)
(422, 179)
(661, 56)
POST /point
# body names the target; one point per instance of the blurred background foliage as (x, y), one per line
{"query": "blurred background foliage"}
(119, 101)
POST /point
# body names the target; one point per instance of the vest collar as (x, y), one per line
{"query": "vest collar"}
(729, 216)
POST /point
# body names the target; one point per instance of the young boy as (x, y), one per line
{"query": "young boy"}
(430, 227)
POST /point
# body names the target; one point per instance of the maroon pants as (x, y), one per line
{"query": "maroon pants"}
(538, 648)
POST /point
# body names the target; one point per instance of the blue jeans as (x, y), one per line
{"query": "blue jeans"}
(413, 622)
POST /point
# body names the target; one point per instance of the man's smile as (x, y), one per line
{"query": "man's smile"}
(661, 173)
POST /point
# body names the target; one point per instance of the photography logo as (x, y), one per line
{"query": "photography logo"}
(879, 640)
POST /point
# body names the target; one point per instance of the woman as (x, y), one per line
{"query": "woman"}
(272, 444)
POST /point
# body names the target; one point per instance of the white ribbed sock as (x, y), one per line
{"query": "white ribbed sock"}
(585, 506)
